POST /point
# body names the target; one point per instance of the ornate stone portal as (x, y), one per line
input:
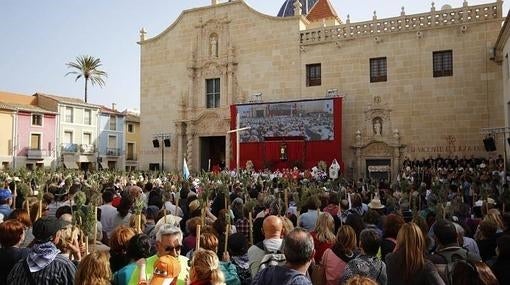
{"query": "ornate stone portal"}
(377, 146)
(213, 57)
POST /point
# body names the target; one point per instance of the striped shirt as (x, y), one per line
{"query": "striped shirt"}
(59, 272)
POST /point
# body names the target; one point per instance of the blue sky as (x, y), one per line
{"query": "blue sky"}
(40, 36)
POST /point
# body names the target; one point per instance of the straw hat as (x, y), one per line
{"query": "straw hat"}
(376, 204)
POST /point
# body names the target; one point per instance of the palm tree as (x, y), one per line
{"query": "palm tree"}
(87, 67)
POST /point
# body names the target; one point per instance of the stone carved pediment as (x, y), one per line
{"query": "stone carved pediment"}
(378, 149)
(211, 68)
(210, 122)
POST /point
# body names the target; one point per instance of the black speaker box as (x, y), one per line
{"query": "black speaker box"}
(489, 144)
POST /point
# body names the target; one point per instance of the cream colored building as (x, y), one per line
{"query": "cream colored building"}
(502, 53)
(428, 79)
(77, 130)
(132, 134)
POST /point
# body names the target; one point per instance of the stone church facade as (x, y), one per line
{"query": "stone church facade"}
(413, 86)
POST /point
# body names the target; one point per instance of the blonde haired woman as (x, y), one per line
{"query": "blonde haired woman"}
(407, 264)
(68, 243)
(323, 235)
(360, 280)
(94, 269)
(205, 269)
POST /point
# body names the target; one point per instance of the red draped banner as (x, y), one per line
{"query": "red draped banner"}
(300, 152)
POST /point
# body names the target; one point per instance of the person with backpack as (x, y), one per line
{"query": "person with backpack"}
(448, 251)
(268, 251)
(299, 251)
(238, 252)
(367, 264)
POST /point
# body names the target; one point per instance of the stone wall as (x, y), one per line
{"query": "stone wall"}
(259, 53)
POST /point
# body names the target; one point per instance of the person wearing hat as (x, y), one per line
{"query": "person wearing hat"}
(168, 242)
(44, 265)
(5, 202)
(376, 204)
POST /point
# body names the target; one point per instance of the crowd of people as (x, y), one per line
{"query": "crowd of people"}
(310, 126)
(439, 223)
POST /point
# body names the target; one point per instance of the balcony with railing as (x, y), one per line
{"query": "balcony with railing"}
(404, 23)
(113, 151)
(87, 148)
(69, 148)
(37, 153)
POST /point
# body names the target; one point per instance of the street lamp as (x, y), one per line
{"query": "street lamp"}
(165, 142)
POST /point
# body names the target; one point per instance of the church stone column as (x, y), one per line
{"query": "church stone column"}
(358, 163)
(230, 83)
(396, 163)
(191, 87)
(189, 144)
(178, 136)
(228, 151)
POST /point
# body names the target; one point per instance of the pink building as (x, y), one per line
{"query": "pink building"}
(34, 136)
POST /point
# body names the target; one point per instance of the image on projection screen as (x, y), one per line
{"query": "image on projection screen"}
(312, 120)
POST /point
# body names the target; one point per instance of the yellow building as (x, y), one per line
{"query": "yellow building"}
(413, 85)
(7, 121)
(132, 135)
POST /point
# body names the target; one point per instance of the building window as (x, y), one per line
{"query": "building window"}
(443, 63)
(112, 142)
(313, 74)
(113, 123)
(87, 138)
(87, 118)
(68, 137)
(35, 141)
(36, 120)
(378, 69)
(131, 128)
(130, 151)
(68, 115)
(213, 92)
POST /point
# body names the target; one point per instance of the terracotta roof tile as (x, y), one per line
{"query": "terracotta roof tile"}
(321, 10)
(132, 118)
(67, 100)
(106, 110)
(24, 107)
(9, 97)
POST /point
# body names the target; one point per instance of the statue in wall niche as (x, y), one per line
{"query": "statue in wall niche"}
(214, 46)
(358, 137)
(377, 126)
